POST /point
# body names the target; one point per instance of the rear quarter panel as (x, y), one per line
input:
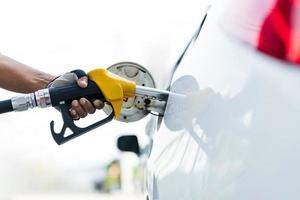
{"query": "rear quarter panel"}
(236, 134)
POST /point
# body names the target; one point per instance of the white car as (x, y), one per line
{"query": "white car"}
(236, 135)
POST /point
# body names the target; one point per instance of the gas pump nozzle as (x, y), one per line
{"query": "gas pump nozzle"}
(102, 85)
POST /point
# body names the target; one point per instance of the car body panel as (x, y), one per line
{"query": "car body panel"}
(236, 134)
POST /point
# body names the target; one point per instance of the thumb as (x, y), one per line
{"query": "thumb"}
(82, 82)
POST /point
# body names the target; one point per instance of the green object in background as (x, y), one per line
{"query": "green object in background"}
(113, 180)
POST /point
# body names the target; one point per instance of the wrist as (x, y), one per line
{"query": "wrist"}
(43, 80)
(48, 80)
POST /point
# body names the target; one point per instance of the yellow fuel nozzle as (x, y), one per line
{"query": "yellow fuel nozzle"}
(113, 87)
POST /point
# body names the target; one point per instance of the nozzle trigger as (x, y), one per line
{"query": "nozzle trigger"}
(60, 137)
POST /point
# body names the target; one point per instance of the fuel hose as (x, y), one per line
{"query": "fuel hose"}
(6, 106)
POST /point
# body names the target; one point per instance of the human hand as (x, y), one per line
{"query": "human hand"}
(82, 107)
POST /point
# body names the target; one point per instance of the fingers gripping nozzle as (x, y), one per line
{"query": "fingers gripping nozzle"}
(102, 85)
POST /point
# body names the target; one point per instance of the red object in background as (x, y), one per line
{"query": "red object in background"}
(280, 32)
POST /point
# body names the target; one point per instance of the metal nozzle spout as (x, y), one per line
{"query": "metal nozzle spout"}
(151, 92)
(154, 93)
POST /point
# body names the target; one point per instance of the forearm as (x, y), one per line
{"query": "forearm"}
(21, 78)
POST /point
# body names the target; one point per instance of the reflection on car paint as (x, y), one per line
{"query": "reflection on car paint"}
(182, 115)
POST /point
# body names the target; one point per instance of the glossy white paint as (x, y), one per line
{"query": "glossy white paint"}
(237, 134)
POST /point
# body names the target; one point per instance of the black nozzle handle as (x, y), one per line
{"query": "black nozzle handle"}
(60, 138)
(71, 92)
(62, 98)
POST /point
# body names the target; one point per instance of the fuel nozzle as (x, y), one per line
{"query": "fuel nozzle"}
(127, 88)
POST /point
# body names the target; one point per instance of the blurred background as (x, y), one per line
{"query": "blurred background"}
(58, 36)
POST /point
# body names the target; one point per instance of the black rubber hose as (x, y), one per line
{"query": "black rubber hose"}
(6, 106)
